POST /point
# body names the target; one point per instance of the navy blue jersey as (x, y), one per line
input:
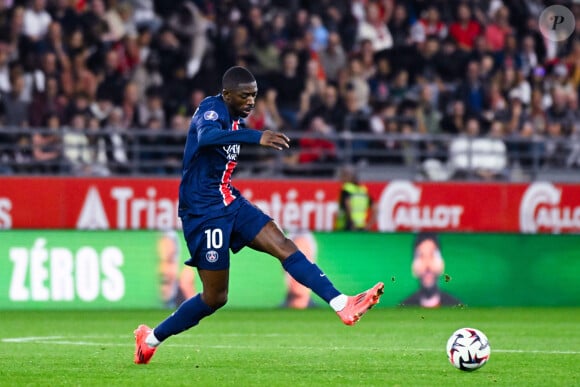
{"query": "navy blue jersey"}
(211, 152)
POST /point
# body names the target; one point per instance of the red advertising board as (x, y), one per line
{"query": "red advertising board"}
(120, 203)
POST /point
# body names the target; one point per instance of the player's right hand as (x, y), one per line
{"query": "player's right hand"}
(274, 140)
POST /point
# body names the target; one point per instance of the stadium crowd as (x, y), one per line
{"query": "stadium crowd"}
(97, 79)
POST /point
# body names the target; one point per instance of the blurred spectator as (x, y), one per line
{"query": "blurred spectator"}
(265, 116)
(16, 38)
(98, 165)
(400, 26)
(175, 143)
(555, 150)
(471, 90)
(152, 147)
(14, 107)
(101, 107)
(384, 121)
(333, 57)
(314, 85)
(129, 105)
(279, 35)
(330, 108)
(4, 67)
(428, 116)
(53, 52)
(356, 82)
(144, 14)
(464, 29)
(559, 111)
(78, 104)
(36, 21)
(400, 86)
(367, 59)
(80, 79)
(45, 102)
(151, 107)
(474, 156)
(516, 112)
(426, 61)
(190, 27)
(316, 152)
(432, 25)
(379, 83)
(264, 53)
(169, 53)
(47, 150)
(450, 62)
(76, 144)
(319, 33)
(112, 78)
(498, 29)
(453, 122)
(528, 56)
(146, 72)
(64, 13)
(117, 142)
(537, 111)
(374, 28)
(289, 84)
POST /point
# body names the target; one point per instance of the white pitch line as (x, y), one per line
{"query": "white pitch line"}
(64, 340)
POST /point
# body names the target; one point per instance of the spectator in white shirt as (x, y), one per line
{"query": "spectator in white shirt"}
(36, 20)
(473, 156)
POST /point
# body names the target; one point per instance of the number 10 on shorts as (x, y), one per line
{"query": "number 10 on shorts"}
(214, 238)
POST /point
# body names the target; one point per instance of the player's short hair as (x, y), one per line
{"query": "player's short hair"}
(236, 76)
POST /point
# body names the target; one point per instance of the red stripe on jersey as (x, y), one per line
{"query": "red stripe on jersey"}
(227, 176)
(225, 190)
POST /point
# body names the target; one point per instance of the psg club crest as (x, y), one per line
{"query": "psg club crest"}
(212, 256)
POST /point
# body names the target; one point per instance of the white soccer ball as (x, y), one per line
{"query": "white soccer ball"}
(468, 349)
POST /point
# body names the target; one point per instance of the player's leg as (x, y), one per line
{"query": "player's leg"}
(298, 295)
(271, 239)
(188, 315)
(207, 241)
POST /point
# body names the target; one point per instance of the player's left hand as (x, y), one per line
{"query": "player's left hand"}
(274, 140)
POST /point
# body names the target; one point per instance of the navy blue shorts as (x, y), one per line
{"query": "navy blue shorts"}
(210, 236)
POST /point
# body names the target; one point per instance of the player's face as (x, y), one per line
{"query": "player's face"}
(427, 264)
(241, 101)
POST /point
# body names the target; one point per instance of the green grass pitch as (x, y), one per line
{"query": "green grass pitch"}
(388, 347)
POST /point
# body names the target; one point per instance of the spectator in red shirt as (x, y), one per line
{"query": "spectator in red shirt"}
(315, 149)
(465, 29)
(497, 31)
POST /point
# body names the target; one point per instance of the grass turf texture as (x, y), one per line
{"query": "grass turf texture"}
(389, 347)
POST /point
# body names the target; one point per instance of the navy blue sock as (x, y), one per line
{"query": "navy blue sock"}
(186, 316)
(310, 275)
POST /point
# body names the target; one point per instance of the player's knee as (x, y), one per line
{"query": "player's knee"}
(288, 247)
(216, 300)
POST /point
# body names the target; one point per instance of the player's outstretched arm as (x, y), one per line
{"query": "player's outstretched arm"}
(274, 140)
